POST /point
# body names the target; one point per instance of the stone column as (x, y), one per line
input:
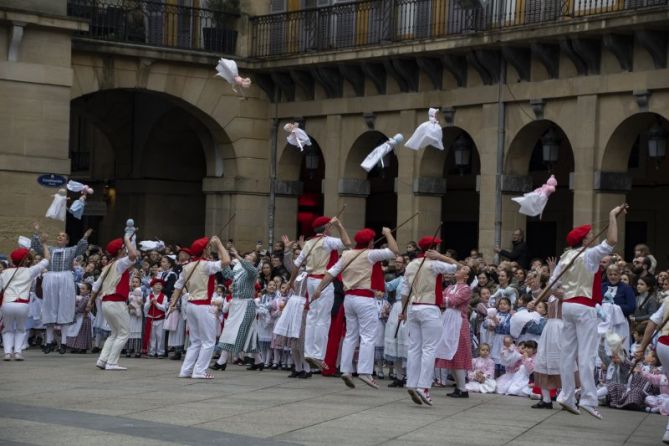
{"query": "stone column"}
(583, 136)
(488, 154)
(35, 85)
(406, 159)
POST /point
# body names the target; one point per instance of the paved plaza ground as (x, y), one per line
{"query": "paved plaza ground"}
(64, 400)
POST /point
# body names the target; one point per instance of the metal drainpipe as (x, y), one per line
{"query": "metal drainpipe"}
(272, 175)
(501, 134)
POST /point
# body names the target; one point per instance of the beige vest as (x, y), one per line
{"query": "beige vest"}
(358, 274)
(319, 256)
(665, 329)
(425, 285)
(198, 282)
(577, 281)
(111, 280)
(19, 287)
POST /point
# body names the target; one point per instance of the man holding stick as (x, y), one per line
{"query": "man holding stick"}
(422, 284)
(580, 287)
(320, 253)
(362, 275)
(197, 278)
(114, 286)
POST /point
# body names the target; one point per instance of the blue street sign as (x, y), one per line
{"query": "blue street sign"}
(51, 180)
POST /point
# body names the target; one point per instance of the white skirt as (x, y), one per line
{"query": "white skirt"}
(135, 327)
(395, 347)
(487, 386)
(290, 322)
(547, 360)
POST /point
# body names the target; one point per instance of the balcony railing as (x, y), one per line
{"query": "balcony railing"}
(157, 24)
(372, 22)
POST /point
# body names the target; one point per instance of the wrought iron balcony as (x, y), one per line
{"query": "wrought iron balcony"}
(373, 22)
(157, 24)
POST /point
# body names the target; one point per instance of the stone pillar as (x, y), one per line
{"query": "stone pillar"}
(583, 136)
(610, 191)
(428, 195)
(246, 199)
(331, 148)
(285, 214)
(406, 159)
(35, 84)
(488, 153)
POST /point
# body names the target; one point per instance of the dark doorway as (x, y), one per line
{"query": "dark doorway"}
(541, 239)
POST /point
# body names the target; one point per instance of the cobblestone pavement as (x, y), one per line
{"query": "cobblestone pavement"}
(65, 400)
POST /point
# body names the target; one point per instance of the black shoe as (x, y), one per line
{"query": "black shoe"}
(138, 355)
(62, 349)
(275, 366)
(176, 356)
(96, 350)
(216, 366)
(457, 393)
(128, 355)
(305, 375)
(296, 374)
(396, 383)
(259, 367)
(542, 405)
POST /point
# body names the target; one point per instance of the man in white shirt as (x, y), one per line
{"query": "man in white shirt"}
(581, 289)
(114, 287)
(362, 275)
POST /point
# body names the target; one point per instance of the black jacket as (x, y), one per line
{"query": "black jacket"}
(518, 254)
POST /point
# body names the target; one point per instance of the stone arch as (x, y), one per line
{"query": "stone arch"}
(216, 143)
(360, 148)
(643, 182)
(524, 170)
(620, 144)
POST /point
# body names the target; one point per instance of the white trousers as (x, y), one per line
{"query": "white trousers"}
(425, 328)
(157, 341)
(663, 354)
(117, 316)
(361, 322)
(14, 315)
(318, 321)
(202, 337)
(578, 342)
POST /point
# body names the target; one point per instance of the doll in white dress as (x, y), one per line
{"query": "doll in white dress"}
(296, 136)
(227, 69)
(58, 206)
(427, 134)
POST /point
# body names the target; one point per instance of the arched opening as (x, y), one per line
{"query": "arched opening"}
(635, 147)
(540, 149)
(145, 154)
(301, 175)
(310, 202)
(381, 203)
(460, 205)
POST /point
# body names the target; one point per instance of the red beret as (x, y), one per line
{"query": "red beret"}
(198, 246)
(156, 280)
(429, 243)
(363, 237)
(576, 235)
(320, 221)
(114, 246)
(18, 255)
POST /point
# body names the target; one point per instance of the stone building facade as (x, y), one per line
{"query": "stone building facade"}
(525, 89)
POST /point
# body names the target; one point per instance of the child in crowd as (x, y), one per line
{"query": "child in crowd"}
(383, 310)
(520, 384)
(135, 308)
(482, 376)
(656, 401)
(511, 358)
(266, 321)
(80, 334)
(500, 324)
(154, 308)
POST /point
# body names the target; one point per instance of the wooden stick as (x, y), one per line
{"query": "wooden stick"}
(227, 224)
(405, 305)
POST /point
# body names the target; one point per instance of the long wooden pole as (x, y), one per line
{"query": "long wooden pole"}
(405, 305)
